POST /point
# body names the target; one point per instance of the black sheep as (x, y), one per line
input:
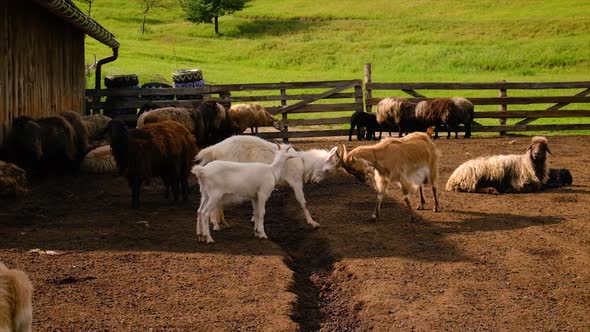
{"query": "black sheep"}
(361, 119)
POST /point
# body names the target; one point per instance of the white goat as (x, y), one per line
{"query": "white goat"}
(223, 181)
(309, 166)
(16, 290)
(411, 161)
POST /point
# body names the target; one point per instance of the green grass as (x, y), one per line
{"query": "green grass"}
(405, 41)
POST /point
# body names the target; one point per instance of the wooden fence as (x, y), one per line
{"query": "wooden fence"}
(285, 100)
(318, 101)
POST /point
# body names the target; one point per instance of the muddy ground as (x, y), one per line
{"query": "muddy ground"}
(515, 262)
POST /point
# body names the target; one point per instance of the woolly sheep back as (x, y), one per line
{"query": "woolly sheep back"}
(99, 161)
(96, 125)
(516, 172)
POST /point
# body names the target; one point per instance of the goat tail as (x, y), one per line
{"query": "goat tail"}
(196, 170)
(204, 157)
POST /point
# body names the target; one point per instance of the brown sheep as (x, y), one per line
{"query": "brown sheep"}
(446, 111)
(398, 112)
(80, 132)
(45, 144)
(163, 149)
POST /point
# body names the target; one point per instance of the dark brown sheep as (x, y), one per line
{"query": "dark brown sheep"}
(163, 149)
(80, 132)
(450, 112)
(46, 144)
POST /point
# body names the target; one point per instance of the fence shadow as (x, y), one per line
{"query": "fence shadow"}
(262, 27)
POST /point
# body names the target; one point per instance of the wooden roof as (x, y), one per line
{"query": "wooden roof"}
(67, 10)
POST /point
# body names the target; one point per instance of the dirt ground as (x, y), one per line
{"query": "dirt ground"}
(514, 262)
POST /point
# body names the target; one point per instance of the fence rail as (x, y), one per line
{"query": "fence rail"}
(316, 100)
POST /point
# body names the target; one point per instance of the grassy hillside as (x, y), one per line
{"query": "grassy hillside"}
(293, 40)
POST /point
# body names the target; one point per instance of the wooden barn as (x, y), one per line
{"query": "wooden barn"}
(42, 69)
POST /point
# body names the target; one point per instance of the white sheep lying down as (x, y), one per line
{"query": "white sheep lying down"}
(222, 181)
(309, 166)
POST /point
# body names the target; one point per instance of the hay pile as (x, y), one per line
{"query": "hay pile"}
(13, 180)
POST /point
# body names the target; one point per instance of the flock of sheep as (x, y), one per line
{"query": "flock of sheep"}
(171, 143)
(408, 116)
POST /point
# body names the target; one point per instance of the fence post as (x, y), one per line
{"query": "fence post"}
(503, 107)
(284, 117)
(368, 93)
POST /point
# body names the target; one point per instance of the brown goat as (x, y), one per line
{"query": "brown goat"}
(412, 161)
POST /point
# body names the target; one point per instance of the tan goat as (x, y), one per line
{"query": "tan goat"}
(15, 300)
(411, 161)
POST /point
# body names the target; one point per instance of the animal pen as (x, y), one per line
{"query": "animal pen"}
(321, 108)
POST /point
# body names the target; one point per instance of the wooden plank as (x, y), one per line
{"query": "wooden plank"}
(281, 85)
(321, 121)
(478, 86)
(503, 108)
(533, 114)
(211, 89)
(127, 92)
(317, 108)
(286, 97)
(284, 118)
(554, 107)
(311, 133)
(548, 127)
(308, 100)
(136, 103)
(510, 100)
(413, 93)
(367, 79)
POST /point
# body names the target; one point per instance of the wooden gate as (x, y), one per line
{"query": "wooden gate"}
(303, 106)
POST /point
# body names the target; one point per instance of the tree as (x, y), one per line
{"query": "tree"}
(147, 5)
(209, 11)
(89, 2)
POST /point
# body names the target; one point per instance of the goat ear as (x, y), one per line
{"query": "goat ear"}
(333, 152)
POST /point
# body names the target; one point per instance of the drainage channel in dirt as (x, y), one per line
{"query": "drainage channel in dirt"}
(323, 303)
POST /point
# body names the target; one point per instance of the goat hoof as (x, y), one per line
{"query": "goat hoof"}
(314, 225)
(261, 236)
(415, 218)
(420, 207)
(436, 209)
(372, 219)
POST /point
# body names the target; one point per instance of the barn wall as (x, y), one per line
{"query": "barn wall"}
(41, 64)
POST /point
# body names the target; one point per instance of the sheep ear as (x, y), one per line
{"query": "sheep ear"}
(548, 150)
